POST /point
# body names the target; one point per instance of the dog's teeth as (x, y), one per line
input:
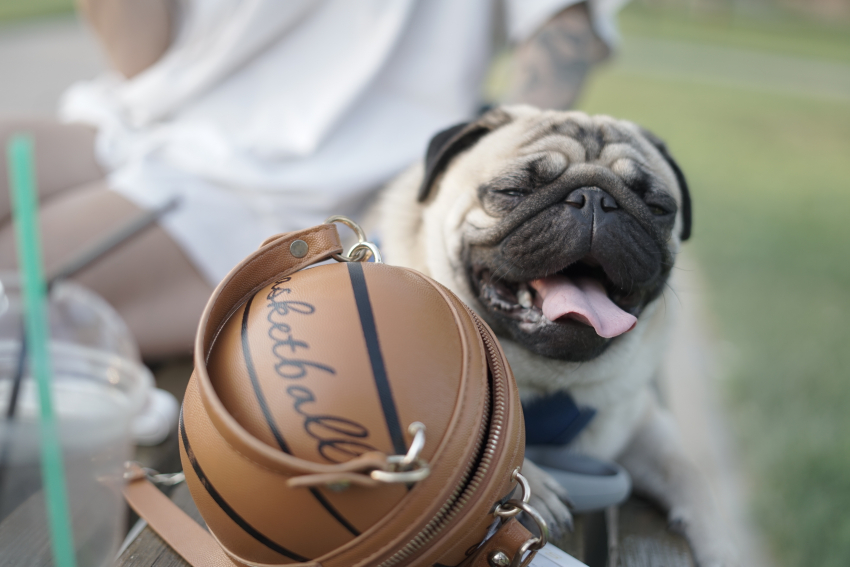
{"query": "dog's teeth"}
(524, 296)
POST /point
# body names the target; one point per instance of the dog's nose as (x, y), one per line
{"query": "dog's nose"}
(596, 197)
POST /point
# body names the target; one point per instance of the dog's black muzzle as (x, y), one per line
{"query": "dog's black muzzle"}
(587, 224)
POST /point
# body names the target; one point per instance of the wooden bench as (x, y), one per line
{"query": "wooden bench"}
(632, 535)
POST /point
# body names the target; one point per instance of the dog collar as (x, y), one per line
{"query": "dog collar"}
(555, 419)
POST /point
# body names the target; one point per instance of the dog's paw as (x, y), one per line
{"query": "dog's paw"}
(550, 499)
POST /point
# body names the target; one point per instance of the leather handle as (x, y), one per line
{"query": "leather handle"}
(277, 258)
(274, 258)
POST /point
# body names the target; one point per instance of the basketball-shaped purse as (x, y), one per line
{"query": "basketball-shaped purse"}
(349, 414)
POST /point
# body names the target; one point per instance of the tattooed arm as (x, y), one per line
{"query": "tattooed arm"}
(550, 68)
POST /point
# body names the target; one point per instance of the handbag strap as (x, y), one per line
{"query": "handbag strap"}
(185, 536)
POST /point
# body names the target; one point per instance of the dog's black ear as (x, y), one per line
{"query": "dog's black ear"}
(687, 215)
(447, 144)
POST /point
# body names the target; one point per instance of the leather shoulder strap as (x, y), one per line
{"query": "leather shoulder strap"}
(191, 541)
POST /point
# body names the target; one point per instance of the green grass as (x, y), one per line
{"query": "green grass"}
(770, 179)
(20, 9)
(774, 31)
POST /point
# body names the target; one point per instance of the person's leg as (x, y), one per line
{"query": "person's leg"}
(148, 280)
(64, 157)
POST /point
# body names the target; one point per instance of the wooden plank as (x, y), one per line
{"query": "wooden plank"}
(573, 543)
(634, 535)
(25, 540)
(19, 542)
(149, 550)
(639, 538)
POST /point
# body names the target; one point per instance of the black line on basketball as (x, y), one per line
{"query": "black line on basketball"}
(240, 521)
(255, 382)
(249, 364)
(379, 371)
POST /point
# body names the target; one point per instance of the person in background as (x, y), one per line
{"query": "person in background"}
(264, 117)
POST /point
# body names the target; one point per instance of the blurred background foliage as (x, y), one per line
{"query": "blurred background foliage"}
(21, 9)
(753, 98)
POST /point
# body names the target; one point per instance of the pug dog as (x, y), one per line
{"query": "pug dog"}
(561, 230)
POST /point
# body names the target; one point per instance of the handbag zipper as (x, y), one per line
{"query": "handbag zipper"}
(466, 488)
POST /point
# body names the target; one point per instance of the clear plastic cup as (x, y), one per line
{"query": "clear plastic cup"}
(98, 389)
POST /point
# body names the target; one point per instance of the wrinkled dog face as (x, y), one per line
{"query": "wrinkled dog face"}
(573, 227)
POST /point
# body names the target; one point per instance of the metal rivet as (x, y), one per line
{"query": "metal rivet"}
(298, 248)
(499, 559)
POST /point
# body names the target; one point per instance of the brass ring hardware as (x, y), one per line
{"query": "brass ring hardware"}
(417, 429)
(513, 507)
(533, 544)
(508, 510)
(361, 236)
(526, 489)
(362, 250)
(421, 472)
(410, 467)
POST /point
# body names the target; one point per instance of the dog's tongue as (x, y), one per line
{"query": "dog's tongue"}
(585, 300)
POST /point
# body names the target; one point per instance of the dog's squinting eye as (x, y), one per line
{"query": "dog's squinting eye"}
(511, 192)
(656, 210)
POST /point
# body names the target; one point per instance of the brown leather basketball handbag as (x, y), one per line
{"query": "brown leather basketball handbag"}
(349, 414)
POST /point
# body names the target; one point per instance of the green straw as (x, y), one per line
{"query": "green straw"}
(34, 288)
